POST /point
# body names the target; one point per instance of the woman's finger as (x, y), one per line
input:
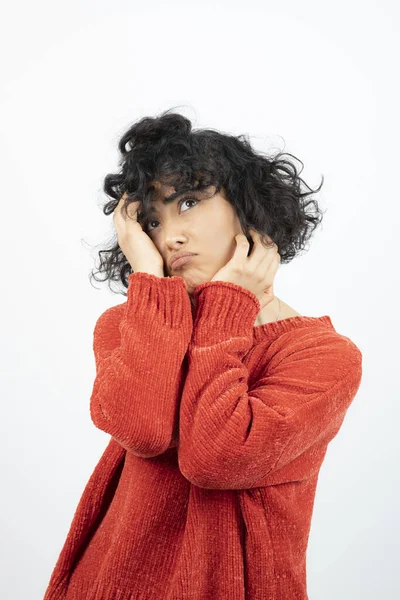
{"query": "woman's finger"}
(260, 253)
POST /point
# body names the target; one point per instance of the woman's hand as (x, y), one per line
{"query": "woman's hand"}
(255, 272)
(137, 247)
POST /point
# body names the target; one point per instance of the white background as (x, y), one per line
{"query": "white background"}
(316, 79)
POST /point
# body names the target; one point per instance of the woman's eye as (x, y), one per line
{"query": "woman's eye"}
(179, 204)
(187, 200)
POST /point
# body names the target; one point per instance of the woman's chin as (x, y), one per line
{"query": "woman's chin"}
(191, 282)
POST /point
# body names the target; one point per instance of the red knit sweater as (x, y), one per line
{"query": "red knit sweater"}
(218, 429)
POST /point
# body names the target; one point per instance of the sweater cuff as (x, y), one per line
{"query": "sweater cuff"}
(162, 299)
(223, 309)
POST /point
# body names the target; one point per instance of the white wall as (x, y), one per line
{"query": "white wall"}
(316, 79)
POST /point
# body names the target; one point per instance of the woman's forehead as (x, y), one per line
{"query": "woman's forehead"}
(162, 188)
(165, 190)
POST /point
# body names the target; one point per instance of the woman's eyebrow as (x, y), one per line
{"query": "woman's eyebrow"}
(173, 196)
(168, 200)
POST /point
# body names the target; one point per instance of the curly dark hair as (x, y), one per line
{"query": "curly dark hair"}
(264, 190)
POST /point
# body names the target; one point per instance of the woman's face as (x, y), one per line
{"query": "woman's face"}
(206, 227)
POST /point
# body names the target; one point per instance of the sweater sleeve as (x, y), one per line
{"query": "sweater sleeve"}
(139, 347)
(233, 437)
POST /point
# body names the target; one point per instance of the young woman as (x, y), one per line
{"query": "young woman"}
(220, 398)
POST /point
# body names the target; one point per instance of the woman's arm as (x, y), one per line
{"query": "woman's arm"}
(139, 347)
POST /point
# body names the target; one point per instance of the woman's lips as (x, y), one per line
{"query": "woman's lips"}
(181, 261)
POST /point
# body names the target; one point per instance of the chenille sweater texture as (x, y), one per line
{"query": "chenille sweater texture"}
(218, 428)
